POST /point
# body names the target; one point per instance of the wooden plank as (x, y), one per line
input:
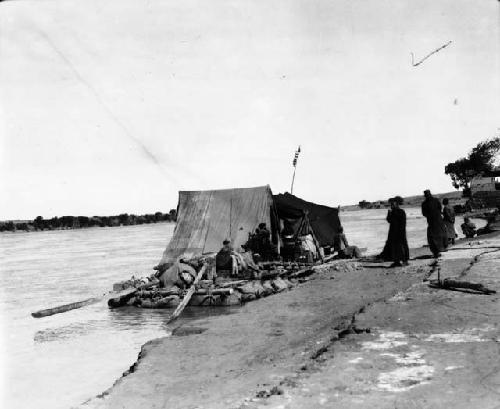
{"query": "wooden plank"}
(231, 283)
(449, 283)
(215, 291)
(188, 295)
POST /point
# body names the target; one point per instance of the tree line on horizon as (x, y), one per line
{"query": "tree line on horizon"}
(81, 222)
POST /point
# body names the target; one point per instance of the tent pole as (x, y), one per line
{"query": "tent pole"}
(293, 180)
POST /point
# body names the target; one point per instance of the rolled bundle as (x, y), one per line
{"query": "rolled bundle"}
(288, 283)
(268, 287)
(232, 299)
(279, 285)
(247, 288)
(259, 290)
(245, 297)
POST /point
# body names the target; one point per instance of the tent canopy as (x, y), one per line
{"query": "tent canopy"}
(324, 220)
(206, 218)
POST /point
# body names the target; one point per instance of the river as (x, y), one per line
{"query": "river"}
(60, 361)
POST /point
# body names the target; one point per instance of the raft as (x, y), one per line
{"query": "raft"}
(222, 292)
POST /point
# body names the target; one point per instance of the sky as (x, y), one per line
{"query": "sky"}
(111, 106)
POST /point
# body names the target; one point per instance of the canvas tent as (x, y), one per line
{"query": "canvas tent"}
(206, 218)
(323, 220)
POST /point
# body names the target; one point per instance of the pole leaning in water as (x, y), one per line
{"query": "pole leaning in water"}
(129, 292)
(188, 295)
(294, 163)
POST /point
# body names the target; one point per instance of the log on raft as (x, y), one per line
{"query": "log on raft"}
(127, 294)
(215, 291)
(301, 273)
(162, 292)
(166, 292)
(231, 284)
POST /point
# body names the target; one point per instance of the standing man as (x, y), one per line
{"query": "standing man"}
(449, 221)
(396, 248)
(437, 236)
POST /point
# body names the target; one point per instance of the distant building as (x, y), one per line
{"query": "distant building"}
(490, 183)
(485, 190)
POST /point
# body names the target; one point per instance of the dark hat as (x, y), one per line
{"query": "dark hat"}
(262, 225)
(226, 241)
(399, 200)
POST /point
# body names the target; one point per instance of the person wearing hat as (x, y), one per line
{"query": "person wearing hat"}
(264, 241)
(225, 258)
(396, 247)
(437, 235)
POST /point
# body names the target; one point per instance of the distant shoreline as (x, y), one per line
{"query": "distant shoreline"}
(83, 222)
(455, 197)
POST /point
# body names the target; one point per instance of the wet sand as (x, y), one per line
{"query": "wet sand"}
(295, 349)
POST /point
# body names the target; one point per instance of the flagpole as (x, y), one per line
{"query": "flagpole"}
(293, 179)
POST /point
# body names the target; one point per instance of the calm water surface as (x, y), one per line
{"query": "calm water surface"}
(60, 361)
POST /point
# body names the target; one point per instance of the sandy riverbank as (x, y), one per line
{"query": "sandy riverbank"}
(300, 348)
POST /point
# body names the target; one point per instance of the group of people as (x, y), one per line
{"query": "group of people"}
(231, 261)
(441, 234)
(441, 231)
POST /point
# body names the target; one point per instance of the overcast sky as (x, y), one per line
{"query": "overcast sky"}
(110, 106)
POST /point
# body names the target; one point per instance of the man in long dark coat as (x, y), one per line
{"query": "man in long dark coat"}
(396, 248)
(437, 235)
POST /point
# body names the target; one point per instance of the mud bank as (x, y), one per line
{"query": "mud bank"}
(267, 352)
(427, 348)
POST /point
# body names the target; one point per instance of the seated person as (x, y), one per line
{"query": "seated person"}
(468, 228)
(309, 247)
(225, 260)
(264, 241)
(341, 246)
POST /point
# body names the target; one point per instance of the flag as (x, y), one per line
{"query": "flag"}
(296, 157)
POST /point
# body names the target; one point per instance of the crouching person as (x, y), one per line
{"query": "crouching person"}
(341, 246)
(468, 228)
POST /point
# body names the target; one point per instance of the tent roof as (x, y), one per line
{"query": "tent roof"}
(324, 220)
(206, 218)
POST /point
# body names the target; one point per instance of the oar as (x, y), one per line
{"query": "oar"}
(188, 296)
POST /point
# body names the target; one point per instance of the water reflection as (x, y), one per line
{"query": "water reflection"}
(136, 318)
